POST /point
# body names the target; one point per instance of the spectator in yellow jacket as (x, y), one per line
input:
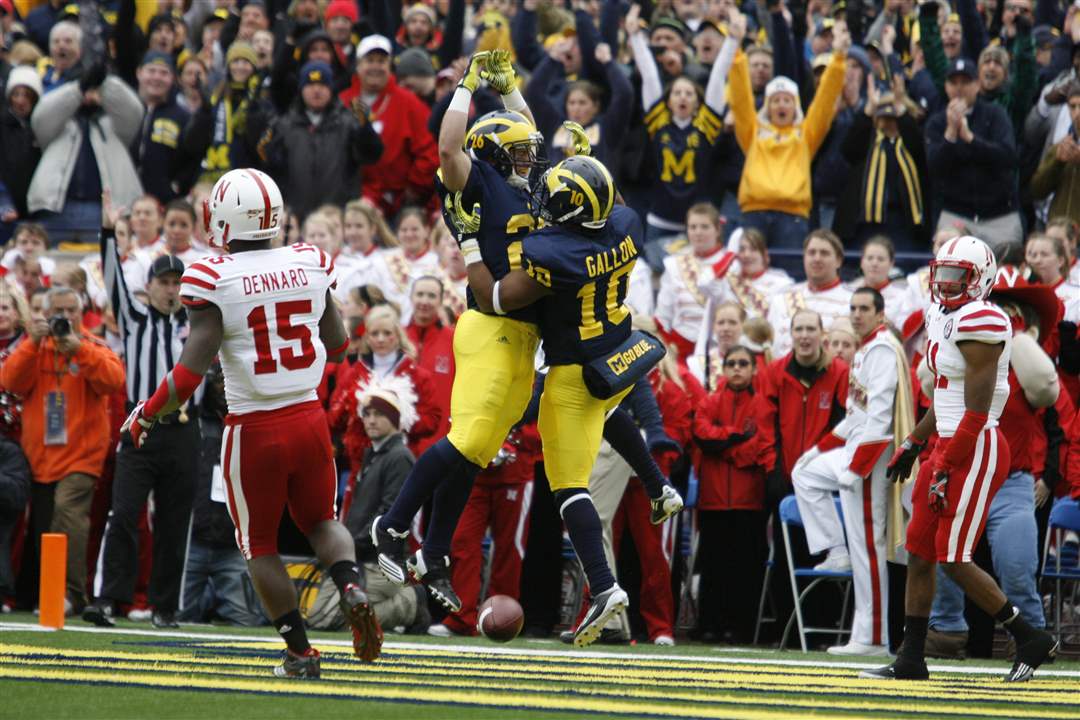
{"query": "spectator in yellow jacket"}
(779, 144)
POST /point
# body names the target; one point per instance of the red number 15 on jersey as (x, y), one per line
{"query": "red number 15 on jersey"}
(286, 331)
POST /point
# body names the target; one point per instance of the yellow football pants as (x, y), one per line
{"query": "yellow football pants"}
(493, 379)
(571, 426)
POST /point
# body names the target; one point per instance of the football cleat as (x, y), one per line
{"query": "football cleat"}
(669, 503)
(1031, 655)
(164, 620)
(366, 632)
(604, 606)
(900, 669)
(437, 580)
(301, 667)
(390, 546)
(100, 614)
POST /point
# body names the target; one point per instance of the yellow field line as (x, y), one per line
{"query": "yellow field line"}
(696, 699)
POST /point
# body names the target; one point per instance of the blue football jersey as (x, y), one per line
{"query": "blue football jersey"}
(506, 217)
(586, 316)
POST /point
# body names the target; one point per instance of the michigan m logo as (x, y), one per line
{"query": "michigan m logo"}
(682, 168)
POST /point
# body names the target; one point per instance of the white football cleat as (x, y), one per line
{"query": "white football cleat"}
(663, 507)
(835, 563)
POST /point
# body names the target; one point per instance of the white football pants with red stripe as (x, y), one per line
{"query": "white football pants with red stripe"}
(865, 509)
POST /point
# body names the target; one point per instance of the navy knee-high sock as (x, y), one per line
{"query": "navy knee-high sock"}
(449, 502)
(438, 464)
(587, 535)
(623, 435)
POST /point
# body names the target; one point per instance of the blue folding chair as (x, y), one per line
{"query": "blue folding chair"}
(1064, 516)
(770, 564)
(789, 515)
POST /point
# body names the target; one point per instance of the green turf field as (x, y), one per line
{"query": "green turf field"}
(135, 671)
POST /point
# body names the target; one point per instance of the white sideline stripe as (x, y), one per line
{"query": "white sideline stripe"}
(484, 650)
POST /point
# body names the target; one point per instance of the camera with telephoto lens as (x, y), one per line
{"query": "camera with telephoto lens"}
(59, 326)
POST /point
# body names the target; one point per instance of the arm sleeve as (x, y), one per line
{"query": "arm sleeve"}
(665, 301)
(785, 54)
(1047, 178)
(616, 119)
(101, 367)
(547, 115)
(198, 285)
(123, 107)
(872, 437)
(365, 145)
(857, 141)
(129, 311)
(588, 37)
(1025, 71)
(1035, 371)
(822, 111)
(714, 91)
(972, 28)
(741, 95)
(933, 51)
(651, 90)
(611, 15)
(126, 37)
(425, 151)
(453, 34)
(54, 110)
(523, 35)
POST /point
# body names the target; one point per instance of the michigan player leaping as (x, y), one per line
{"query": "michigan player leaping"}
(489, 168)
(579, 268)
(270, 315)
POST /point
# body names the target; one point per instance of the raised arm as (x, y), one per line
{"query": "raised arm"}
(651, 89)
(714, 91)
(454, 163)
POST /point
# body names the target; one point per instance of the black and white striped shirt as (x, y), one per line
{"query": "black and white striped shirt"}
(152, 340)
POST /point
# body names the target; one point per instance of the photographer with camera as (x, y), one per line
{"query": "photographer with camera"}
(64, 377)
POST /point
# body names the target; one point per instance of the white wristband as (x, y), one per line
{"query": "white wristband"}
(514, 101)
(495, 304)
(461, 101)
(470, 250)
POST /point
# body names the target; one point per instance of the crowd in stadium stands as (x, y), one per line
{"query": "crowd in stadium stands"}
(781, 153)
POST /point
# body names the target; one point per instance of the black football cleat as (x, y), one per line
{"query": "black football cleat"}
(100, 614)
(299, 667)
(1029, 656)
(437, 579)
(390, 547)
(366, 632)
(900, 669)
(164, 620)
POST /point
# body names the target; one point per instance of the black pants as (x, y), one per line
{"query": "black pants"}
(731, 559)
(167, 465)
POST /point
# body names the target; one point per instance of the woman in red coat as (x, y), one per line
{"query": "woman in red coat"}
(388, 352)
(731, 504)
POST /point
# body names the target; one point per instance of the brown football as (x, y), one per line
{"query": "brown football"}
(500, 618)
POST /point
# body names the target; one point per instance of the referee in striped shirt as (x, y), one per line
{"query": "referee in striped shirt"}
(153, 334)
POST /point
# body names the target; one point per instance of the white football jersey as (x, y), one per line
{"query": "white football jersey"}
(979, 321)
(271, 302)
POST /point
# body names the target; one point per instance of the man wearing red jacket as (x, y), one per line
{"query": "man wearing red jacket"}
(434, 343)
(405, 174)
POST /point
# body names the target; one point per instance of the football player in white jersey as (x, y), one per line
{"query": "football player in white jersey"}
(969, 342)
(270, 315)
(879, 407)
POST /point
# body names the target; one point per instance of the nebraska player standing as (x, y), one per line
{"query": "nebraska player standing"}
(969, 342)
(269, 312)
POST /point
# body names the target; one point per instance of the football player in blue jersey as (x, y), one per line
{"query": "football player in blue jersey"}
(576, 271)
(489, 167)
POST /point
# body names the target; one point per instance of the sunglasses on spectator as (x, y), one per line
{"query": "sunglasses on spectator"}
(1011, 7)
(736, 363)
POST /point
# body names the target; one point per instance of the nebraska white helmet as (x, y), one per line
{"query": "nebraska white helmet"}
(245, 204)
(964, 270)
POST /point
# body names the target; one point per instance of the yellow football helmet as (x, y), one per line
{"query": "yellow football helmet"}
(507, 141)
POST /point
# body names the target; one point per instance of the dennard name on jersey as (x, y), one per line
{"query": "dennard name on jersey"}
(278, 280)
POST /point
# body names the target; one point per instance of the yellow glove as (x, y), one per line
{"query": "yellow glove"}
(499, 72)
(465, 222)
(471, 79)
(579, 140)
